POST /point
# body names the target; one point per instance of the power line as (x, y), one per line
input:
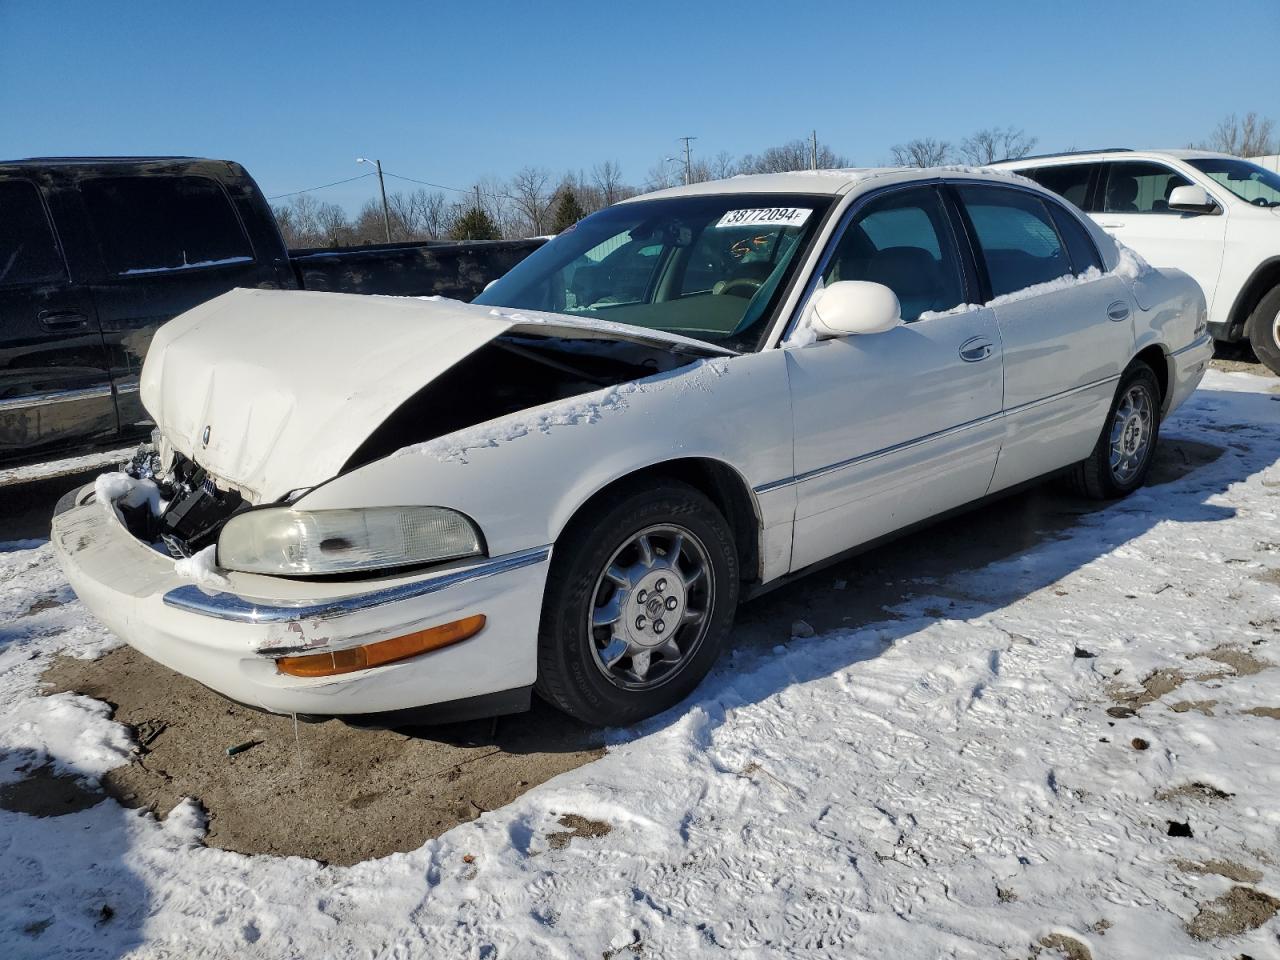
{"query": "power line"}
(323, 186)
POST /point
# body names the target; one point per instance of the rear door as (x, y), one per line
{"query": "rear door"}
(55, 390)
(1134, 208)
(895, 427)
(168, 240)
(1065, 342)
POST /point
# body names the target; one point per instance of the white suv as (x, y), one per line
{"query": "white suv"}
(1215, 216)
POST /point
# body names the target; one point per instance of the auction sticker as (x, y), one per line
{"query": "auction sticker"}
(766, 217)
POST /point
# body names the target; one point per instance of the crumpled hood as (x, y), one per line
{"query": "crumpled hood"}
(272, 391)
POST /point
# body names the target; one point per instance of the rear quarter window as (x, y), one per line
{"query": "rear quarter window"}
(28, 250)
(1071, 182)
(155, 224)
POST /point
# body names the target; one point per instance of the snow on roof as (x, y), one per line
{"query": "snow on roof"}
(834, 182)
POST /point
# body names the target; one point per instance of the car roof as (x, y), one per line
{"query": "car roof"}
(831, 182)
(72, 161)
(1093, 156)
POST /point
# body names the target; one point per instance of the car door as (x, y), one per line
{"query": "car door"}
(1066, 337)
(1133, 207)
(55, 390)
(169, 240)
(895, 427)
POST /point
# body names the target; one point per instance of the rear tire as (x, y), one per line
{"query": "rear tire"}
(1264, 330)
(640, 597)
(1122, 456)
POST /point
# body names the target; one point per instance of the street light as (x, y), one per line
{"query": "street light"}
(386, 215)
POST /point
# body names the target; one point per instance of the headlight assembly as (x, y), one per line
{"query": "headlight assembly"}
(287, 542)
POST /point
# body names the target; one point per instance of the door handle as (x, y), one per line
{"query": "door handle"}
(61, 321)
(1119, 310)
(975, 349)
(1110, 226)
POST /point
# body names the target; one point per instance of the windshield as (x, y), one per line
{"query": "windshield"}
(707, 267)
(1246, 180)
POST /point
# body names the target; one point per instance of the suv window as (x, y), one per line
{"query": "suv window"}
(28, 250)
(160, 223)
(1016, 236)
(1140, 187)
(1071, 182)
(1083, 251)
(902, 240)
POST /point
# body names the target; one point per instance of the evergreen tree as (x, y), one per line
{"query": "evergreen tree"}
(568, 212)
(475, 224)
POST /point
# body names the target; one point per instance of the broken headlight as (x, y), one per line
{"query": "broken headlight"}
(320, 542)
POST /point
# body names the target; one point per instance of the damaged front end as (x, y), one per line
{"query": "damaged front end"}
(190, 508)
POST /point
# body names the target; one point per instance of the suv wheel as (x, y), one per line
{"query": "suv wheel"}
(1264, 330)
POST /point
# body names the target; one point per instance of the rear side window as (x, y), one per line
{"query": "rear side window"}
(1016, 235)
(1071, 182)
(1083, 251)
(903, 241)
(156, 224)
(28, 250)
(1137, 187)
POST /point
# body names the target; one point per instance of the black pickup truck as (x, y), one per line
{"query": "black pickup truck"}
(97, 252)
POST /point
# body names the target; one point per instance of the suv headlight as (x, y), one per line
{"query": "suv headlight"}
(318, 542)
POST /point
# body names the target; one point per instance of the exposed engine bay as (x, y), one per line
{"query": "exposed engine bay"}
(511, 373)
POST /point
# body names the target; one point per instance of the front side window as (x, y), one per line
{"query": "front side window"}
(708, 267)
(1139, 187)
(902, 240)
(1071, 182)
(161, 223)
(1246, 180)
(1018, 241)
(28, 250)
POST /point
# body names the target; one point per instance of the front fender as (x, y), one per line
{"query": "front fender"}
(523, 476)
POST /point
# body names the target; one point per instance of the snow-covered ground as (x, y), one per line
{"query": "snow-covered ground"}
(946, 783)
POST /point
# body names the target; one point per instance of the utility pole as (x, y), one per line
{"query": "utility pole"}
(386, 214)
(688, 165)
(815, 150)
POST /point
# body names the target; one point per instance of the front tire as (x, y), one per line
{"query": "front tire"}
(640, 597)
(1122, 456)
(1264, 330)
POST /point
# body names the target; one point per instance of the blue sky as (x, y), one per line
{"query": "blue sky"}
(453, 92)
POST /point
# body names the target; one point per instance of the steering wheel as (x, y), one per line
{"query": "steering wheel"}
(744, 287)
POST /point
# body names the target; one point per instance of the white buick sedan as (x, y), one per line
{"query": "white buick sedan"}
(361, 506)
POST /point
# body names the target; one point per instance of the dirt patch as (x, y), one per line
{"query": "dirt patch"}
(43, 792)
(1271, 576)
(301, 796)
(1065, 946)
(1220, 868)
(1237, 911)
(1244, 663)
(579, 828)
(1179, 458)
(1199, 706)
(42, 603)
(1271, 712)
(1155, 685)
(1196, 790)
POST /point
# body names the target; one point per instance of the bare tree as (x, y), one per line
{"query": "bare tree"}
(722, 165)
(531, 198)
(993, 144)
(607, 178)
(1250, 137)
(794, 155)
(664, 174)
(921, 152)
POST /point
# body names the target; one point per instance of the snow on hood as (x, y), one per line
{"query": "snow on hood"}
(272, 391)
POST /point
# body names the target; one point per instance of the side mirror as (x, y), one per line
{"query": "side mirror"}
(1191, 199)
(854, 307)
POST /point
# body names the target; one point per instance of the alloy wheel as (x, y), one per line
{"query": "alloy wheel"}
(651, 607)
(1131, 434)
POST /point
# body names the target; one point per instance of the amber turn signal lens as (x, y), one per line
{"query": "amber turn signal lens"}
(384, 651)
